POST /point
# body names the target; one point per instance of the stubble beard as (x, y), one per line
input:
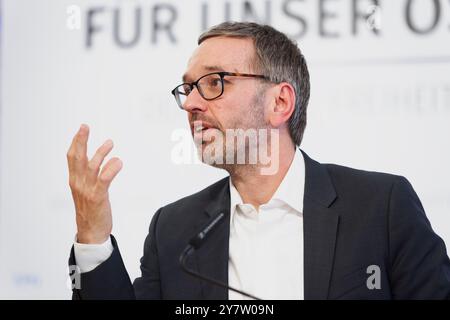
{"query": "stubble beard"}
(253, 121)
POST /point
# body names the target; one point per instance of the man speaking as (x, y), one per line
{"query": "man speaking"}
(279, 227)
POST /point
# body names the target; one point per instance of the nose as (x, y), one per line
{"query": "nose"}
(195, 102)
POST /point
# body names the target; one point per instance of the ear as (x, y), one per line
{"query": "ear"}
(284, 104)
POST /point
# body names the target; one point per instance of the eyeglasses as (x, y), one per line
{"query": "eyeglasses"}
(210, 86)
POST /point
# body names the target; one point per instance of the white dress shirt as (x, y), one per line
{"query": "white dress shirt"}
(266, 247)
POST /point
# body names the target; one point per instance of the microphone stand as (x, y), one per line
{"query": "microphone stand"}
(195, 243)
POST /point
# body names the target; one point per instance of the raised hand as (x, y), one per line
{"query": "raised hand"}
(89, 184)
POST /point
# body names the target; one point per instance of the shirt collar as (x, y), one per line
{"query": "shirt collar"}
(290, 192)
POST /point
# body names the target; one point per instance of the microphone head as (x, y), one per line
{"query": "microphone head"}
(198, 240)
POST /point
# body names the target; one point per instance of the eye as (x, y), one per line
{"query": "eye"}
(214, 82)
(185, 89)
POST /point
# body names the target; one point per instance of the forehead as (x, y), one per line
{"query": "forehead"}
(220, 54)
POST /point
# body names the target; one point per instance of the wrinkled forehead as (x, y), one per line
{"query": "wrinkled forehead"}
(221, 54)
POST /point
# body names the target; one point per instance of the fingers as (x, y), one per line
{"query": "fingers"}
(84, 171)
(77, 154)
(108, 173)
(93, 167)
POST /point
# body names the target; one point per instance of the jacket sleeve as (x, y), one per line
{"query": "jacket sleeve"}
(419, 265)
(148, 285)
(110, 279)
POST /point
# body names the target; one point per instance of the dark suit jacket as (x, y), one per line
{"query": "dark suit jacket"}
(352, 219)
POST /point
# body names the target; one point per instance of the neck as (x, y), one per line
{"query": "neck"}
(256, 188)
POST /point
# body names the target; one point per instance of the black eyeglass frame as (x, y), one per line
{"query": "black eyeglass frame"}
(222, 75)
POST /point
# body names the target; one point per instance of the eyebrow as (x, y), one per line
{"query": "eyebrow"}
(186, 77)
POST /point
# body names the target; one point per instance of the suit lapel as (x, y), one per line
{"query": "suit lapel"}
(319, 229)
(212, 257)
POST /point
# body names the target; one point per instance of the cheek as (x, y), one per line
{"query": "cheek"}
(224, 112)
(235, 111)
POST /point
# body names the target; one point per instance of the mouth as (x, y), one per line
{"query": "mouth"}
(199, 126)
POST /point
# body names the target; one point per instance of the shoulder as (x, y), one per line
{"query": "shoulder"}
(192, 207)
(375, 194)
(366, 190)
(363, 181)
(201, 197)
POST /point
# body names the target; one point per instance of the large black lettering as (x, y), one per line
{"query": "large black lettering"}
(302, 22)
(433, 22)
(324, 15)
(159, 26)
(250, 15)
(361, 16)
(91, 28)
(116, 29)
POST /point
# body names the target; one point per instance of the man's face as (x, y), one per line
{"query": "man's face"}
(241, 106)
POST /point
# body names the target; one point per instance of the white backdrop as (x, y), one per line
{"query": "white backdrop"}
(378, 102)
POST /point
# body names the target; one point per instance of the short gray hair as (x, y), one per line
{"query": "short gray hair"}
(278, 58)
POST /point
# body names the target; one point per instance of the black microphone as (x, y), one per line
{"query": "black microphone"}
(195, 243)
